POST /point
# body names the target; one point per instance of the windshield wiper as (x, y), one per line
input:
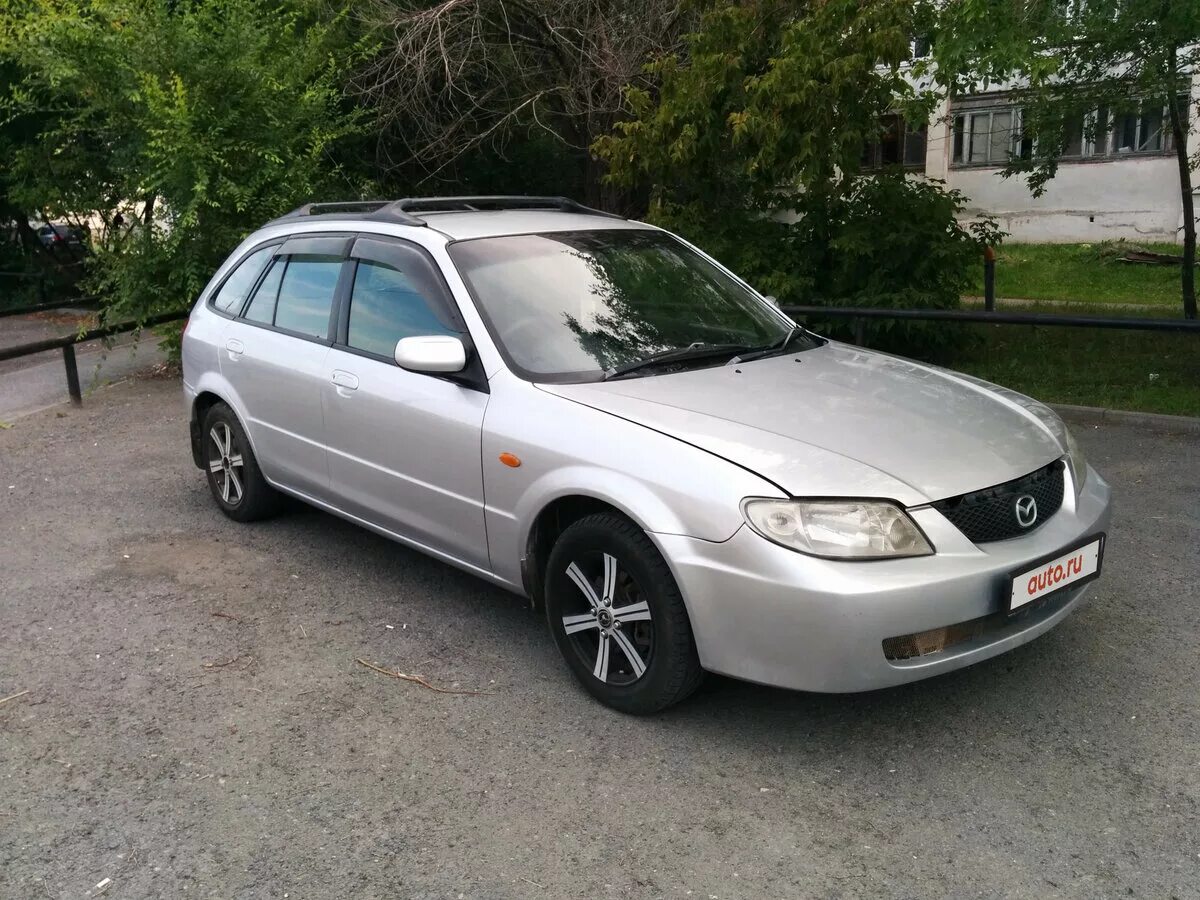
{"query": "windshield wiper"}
(698, 350)
(779, 346)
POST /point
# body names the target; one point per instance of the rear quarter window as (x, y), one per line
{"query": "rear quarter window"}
(232, 293)
(262, 306)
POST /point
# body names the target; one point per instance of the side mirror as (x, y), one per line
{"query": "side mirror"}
(441, 353)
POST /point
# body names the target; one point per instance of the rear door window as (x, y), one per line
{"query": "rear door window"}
(306, 294)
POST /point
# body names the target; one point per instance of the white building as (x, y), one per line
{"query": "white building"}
(1123, 184)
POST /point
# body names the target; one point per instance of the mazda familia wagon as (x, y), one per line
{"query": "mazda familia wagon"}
(596, 415)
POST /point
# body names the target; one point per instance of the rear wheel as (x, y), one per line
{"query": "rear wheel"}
(236, 482)
(618, 617)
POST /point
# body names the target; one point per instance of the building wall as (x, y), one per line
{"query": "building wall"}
(1135, 199)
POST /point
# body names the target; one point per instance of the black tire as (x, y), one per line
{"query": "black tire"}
(662, 642)
(239, 488)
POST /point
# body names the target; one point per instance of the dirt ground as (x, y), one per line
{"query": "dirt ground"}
(190, 718)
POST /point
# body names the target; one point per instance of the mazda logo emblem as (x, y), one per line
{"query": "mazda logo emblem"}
(1026, 510)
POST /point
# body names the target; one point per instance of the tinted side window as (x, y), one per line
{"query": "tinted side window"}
(306, 294)
(262, 307)
(387, 305)
(233, 292)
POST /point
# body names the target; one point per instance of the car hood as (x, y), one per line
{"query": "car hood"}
(839, 421)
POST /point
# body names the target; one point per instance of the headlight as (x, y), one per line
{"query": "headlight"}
(837, 529)
(1075, 460)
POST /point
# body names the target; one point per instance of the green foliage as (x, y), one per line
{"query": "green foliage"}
(1072, 59)
(898, 243)
(773, 98)
(886, 241)
(1102, 367)
(198, 120)
(752, 148)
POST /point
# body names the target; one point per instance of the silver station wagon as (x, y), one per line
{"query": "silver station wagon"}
(592, 413)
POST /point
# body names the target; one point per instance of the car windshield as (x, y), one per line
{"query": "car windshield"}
(575, 305)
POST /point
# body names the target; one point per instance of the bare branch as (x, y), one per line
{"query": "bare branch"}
(453, 75)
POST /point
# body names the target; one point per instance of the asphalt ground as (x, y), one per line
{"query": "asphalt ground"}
(196, 723)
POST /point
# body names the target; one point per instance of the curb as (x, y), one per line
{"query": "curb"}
(1095, 415)
(1093, 305)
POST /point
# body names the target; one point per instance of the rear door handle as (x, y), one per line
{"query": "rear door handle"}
(235, 347)
(344, 382)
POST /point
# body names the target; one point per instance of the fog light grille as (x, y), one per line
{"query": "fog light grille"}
(993, 627)
(935, 640)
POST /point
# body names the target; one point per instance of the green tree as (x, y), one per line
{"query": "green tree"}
(32, 271)
(15, 132)
(1084, 66)
(753, 143)
(197, 121)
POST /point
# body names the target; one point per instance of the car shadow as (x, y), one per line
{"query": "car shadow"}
(1007, 692)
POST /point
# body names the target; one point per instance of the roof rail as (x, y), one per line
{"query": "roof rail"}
(406, 211)
(384, 210)
(475, 203)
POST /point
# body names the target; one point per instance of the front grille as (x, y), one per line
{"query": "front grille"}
(991, 514)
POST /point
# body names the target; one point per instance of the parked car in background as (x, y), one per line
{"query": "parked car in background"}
(594, 414)
(59, 234)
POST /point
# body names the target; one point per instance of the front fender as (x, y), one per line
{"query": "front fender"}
(630, 496)
(567, 449)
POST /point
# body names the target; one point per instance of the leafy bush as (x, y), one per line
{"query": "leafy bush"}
(896, 243)
(887, 242)
(752, 146)
(198, 120)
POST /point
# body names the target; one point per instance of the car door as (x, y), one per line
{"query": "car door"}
(274, 355)
(404, 447)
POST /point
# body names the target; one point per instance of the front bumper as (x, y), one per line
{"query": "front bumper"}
(763, 613)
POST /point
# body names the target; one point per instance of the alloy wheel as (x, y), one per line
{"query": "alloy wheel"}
(608, 621)
(225, 463)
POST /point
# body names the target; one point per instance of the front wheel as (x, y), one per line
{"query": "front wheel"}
(618, 617)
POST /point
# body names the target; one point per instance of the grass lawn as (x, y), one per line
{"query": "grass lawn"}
(1138, 370)
(1089, 273)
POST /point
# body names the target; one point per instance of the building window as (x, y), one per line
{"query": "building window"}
(1138, 131)
(898, 144)
(991, 137)
(1076, 128)
(996, 135)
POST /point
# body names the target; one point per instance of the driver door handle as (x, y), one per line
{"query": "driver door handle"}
(345, 382)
